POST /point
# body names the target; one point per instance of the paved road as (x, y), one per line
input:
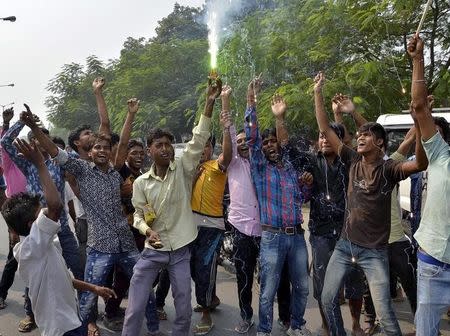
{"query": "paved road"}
(225, 317)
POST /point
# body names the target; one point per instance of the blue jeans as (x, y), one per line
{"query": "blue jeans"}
(375, 264)
(433, 297)
(70, 251)
(98, 267)
(275, 249)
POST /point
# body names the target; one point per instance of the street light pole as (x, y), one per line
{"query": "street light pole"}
(6, 85)
(9, 18)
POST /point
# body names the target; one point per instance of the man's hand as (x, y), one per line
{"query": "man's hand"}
(415, 47)
(31, 152)
(306, 179)
(133, 105)
(278, 106)
(8, 114)
(106, 293)
(152, 236)
(214, 89)
(255, 85)
(28, 118)
(225, 119)
(97, 85)
(342, 104)
(226, 92)
(319, 81)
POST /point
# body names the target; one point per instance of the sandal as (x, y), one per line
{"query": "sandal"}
(202, 329)
(27, 325)
(162, 315)
(94, 332)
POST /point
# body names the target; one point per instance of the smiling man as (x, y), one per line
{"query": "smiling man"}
(367, 221)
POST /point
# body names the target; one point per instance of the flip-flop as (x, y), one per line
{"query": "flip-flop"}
(94, 332)
(202, 329)
(26, 325)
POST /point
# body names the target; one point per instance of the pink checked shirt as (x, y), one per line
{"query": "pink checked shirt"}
(15, 180)
(243, 211)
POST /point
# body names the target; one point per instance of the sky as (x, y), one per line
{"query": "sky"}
(51, 33)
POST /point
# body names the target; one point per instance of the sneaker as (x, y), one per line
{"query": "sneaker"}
(303, 331)
(243, 326)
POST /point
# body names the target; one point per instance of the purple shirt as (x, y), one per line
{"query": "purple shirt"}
(243, 210)
(14, 178)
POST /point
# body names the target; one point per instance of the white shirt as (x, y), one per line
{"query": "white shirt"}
(44, 271)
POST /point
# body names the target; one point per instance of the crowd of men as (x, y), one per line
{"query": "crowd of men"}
(135, 230)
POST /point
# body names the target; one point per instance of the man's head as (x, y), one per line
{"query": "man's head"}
(59, 142)
(209, 149)
(371, 137)
(80, 138)
(270, 146)
(324, 145)
(135, 154)
(31, 138)
(159, 146)
(99, 149)
(242, 147)
(20, 211)
(442, 127)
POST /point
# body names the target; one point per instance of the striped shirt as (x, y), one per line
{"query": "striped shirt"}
(279, 194)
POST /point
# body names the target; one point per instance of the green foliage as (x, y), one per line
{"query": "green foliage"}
(360, 45)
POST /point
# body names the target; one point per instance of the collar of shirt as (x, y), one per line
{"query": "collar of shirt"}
(94, 166)
(151, 172)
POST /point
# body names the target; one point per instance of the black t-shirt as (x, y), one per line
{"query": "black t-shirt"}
(368, 214)
(128, 178)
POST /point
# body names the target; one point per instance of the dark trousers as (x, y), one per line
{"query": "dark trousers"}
(246, 252)
(284, 295)
(80, 331)
(162, 288)
(402, 265)
(10, 268)
(204, 252)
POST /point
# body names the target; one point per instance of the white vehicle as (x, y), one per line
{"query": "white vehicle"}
(396, 126)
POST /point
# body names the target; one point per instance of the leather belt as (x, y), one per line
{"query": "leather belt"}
(289, 230)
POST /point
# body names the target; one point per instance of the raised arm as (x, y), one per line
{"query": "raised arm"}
(200, 133)
(105, 125)
(8, 114)
(321, 116)
(419, 89)
(421, 161)
(7, 146)
(279, 111)
(51, 195)
(227, 147)
(121, 155)
(251, 119)
(404, 148)
(29, 119)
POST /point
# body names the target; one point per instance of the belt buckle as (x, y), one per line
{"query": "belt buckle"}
(290, 230)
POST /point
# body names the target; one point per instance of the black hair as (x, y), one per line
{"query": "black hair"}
(115, 138)
(30, 134)
(135, 142)
(59, 141)
(241, 131)
(97, 137)
(338, 129)
(269, 131)
(158, 133)
(19, 211)
(443, 124)
(377, 130)
(75, 136)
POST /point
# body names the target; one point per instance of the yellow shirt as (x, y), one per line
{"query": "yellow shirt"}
(207, 195)
(170, 197)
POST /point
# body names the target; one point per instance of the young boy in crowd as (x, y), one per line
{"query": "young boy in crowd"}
(41, 265)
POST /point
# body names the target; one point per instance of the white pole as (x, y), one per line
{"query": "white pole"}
(423, 17)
